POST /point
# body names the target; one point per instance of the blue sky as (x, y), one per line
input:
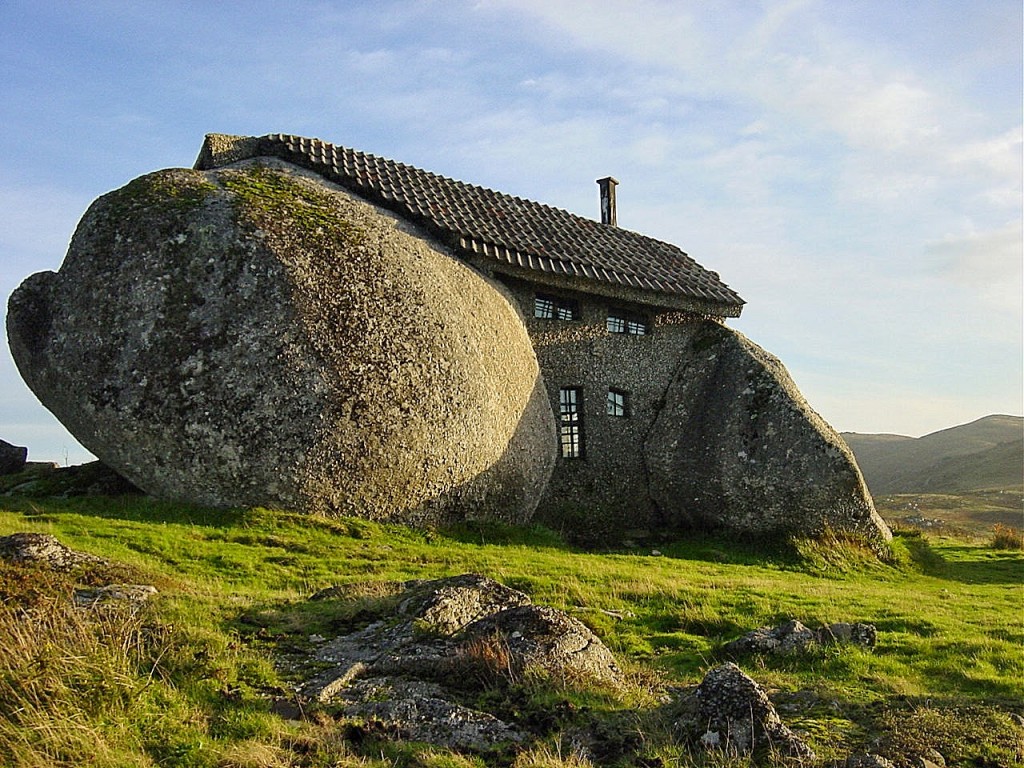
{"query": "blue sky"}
(852, 169)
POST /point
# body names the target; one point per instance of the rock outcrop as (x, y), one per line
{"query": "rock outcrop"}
(434, 641)
(736, 446)
(254, 336)
(43, 549)
(12, 458)
(793, 636)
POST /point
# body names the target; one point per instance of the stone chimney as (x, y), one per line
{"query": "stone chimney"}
(607, 185)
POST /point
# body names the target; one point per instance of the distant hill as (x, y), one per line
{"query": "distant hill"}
(987, 453)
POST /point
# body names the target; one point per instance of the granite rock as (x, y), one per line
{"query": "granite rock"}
(257, 336)
(12, 458)
(737, 447)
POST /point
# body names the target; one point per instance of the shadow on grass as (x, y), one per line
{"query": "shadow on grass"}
(966, 564)
(485, 532)
(141, 509)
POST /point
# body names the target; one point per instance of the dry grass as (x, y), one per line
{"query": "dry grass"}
(1007, 537)
(64, 674)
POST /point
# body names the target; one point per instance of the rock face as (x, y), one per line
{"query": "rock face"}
(736, 446)
(252, 336)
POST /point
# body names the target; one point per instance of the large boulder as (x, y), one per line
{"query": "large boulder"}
(737, 447)
(256, 336)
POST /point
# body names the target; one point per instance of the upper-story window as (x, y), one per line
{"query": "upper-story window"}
(623, 322)
(555, 308)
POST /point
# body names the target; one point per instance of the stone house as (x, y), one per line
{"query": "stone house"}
(300, 325)
(606, 308)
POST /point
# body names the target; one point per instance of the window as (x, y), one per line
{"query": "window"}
(617, 403)
(552, 308)
(621, 322)
(570, 418)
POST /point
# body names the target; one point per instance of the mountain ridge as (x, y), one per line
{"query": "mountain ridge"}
(984, 453)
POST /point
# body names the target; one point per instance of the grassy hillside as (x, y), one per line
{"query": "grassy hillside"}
(195, 678)
(987, 453)
(970, 515)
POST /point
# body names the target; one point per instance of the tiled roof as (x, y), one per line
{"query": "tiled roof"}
(512, 230)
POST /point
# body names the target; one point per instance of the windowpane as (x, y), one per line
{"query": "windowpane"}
(570, 432)
(622, 322)
(553, 308)
(636, 327)
(616, 403)
(543, 307)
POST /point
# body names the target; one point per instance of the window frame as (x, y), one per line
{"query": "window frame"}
(617, 403)
(622, 323)
(559, 308)
(570, 422)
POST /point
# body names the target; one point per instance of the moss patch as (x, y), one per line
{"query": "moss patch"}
(174, 191)
(281, 205)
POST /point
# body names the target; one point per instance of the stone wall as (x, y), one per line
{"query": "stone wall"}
(607, 490)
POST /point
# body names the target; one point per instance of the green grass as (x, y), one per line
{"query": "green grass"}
(187, 681)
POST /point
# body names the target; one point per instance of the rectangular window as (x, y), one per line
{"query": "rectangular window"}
(553, 308)
(622, 322)
(617, 401)
(570, 418)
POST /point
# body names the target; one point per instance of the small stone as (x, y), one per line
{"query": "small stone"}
(128, 593)
(866, 760)
(44, 549)
(863, 635)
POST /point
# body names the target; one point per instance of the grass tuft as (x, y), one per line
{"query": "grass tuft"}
(1006, 537)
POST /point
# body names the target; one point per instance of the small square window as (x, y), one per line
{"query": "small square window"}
(617, 403)
(622, 322)
(554, 308)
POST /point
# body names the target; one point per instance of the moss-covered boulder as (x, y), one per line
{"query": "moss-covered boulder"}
(736, 446)
(256, 336)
